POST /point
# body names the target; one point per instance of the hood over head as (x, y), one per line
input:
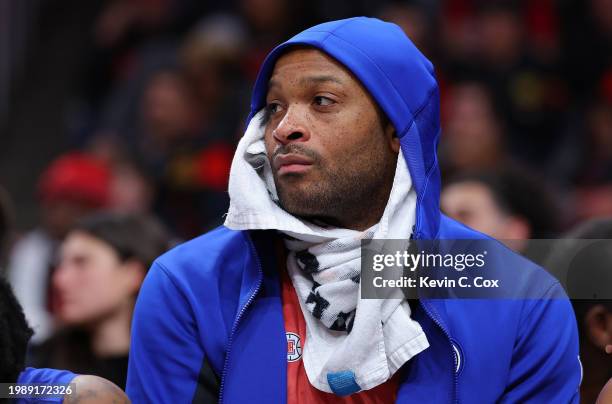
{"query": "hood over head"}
(402, 82)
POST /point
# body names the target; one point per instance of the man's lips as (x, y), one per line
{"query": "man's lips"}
(291, 163)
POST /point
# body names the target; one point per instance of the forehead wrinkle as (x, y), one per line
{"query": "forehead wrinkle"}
(319, 79)
(273, 83)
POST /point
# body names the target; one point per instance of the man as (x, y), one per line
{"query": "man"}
(340, 147)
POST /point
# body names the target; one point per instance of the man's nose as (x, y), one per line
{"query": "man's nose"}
(293, 127)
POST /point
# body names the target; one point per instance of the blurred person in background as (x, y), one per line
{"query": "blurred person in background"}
(508, 204)
(169, 117)
(583, 156)
(71, 187)
(583, 159)
(210, 57)
(268, 22)
(185, 120)
(588, 271)
(524, 85)
(490, 40)
(594, 172)
(125, 33)
(473, 137)
(102, 263)
(193, 182)
(15, 334)
(594, 201)
(132, 189)
(596, 156)
(413, 18)
(179, 151)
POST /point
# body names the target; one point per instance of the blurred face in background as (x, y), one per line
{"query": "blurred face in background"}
(473, 204)
(412, 20)
(130, 191)
(472, 137)
(266, 15)
(168, 108)
(91, 283)
(500, 36)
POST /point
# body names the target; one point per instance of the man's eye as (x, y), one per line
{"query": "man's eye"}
(269, 110)
(323, 101)
(272, 107)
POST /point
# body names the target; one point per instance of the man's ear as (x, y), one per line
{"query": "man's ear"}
(391, 136)
(135, 273)
(598, 321)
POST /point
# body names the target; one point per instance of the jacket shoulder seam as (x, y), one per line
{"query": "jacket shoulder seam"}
(172, 280)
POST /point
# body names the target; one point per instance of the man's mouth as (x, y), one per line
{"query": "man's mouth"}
(291, 164)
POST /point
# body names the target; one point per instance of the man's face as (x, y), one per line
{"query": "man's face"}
(332, 156)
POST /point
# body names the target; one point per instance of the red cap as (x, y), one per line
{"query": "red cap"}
(76, 177)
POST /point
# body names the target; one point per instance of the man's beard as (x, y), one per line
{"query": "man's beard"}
(343, 192)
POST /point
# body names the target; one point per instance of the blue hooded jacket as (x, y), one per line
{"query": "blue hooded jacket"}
(208, 323)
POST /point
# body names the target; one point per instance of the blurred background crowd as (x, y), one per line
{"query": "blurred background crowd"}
(118, 121)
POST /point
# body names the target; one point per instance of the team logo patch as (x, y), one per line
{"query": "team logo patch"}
(294, 347)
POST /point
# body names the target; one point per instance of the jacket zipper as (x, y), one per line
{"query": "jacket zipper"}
(448, 337)
(235, 326)
(416, 231)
